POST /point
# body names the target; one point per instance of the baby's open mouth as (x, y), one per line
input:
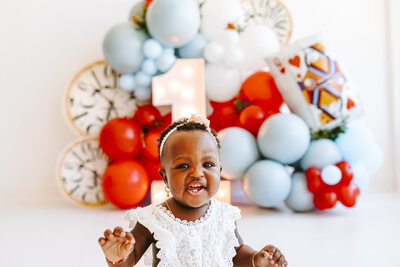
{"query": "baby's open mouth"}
(195, 187)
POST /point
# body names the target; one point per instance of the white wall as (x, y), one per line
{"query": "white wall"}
(44, 43)
(393, 18)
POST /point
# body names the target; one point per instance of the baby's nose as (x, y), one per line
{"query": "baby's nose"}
(197, 172)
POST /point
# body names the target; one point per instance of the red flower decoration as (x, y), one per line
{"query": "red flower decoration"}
(325, 195)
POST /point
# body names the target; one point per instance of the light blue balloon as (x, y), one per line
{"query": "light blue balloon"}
(142, 93)
(283, 137)
(165, 62)
(152, 49)
(194, 49)
(122, 48)
(127, 82)
(142, 79)
(168, 50)
(321, 153)
(373, 160)
(300, 199)
(355, 143)
(173, 22)
(267, 183)
(360, 175)
(149, 67)
(238, 151)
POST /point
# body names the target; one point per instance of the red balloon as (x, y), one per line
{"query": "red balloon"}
(314, 180)
(348, 195)
(120, 139)
(125, 183)
(167, 120)
(151, 166)
(225, 114)
(260, 89)
(325, 199)
(150, 145)
(147, 117)
(347, 172)
(251, 118)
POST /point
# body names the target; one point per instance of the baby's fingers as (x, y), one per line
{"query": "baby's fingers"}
(276, 256)
(281, 261)
(118, 231)
(102, 241)
(130, 238)
(108, 234)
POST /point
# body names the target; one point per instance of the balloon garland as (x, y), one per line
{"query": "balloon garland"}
(251, 75)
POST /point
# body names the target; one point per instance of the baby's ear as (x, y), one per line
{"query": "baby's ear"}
(163, 175)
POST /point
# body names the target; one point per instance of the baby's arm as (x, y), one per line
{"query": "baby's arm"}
(269, 256)
(118, 244)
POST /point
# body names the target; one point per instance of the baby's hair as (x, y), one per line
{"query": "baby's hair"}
(185, 124)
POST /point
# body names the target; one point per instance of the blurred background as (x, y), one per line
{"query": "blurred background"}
(44, 43)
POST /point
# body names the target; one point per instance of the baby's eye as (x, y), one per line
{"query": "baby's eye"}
(208, 165)
(182, 166)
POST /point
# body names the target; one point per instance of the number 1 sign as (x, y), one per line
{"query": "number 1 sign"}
(182, 87)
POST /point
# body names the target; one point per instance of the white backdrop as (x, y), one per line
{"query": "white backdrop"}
(44, 43)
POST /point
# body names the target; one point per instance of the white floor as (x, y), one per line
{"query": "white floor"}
(60, 234)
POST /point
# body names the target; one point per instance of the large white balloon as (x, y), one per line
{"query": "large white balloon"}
(233, 56)
(216, 14)
(222, 83)
(173, 22)
(238, 151)
(257, 42)
(229, 38)
(214, 52)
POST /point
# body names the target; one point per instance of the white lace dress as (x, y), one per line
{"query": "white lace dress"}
(209, 241)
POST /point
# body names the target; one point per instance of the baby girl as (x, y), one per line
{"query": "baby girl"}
(190, 228)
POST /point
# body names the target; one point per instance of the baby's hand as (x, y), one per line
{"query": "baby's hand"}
(116, 245)
(270, 256)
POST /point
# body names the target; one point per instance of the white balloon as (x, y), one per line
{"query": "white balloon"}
(331, 174)
(214, 22)
(222, 83)
(229, 38)
(257, 42)
(233, 56)
(213, 52)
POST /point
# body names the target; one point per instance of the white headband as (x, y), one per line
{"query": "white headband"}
(193, 118)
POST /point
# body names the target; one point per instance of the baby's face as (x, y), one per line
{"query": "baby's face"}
(191, 167)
